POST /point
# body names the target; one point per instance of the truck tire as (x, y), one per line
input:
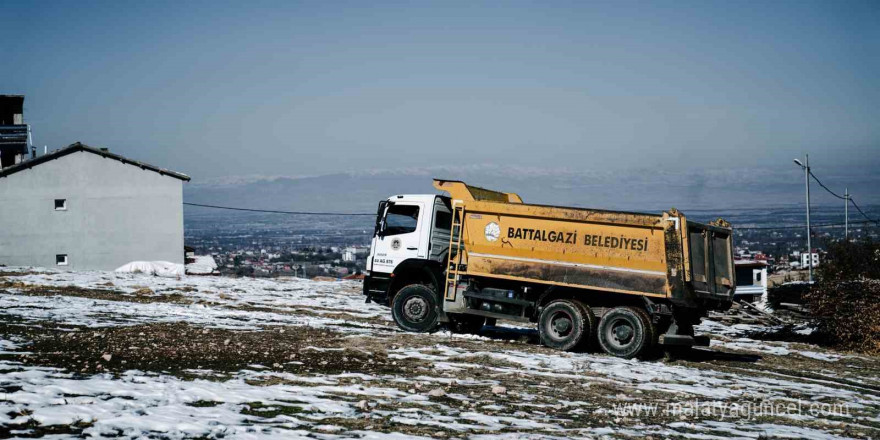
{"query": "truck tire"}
(626, 332)
(465, 324)
(566, 325)
(414, 308)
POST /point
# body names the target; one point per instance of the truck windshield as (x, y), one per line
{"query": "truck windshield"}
(401, 219)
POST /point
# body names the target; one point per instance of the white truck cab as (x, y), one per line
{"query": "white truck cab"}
(411, 229)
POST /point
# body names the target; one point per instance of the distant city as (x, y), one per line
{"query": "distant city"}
(270, 245)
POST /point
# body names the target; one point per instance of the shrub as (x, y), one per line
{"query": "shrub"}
(787, 293)
(845, 301)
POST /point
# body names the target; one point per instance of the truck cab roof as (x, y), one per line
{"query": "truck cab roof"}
(426, 198)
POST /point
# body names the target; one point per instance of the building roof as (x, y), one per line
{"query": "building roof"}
(750, 263)
(76, 147)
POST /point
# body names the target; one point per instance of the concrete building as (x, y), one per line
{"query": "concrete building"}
(14, 133)
(805, 259)
(349, 254)
(751, 279)
(85, 208)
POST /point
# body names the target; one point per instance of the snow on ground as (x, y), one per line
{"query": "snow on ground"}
(158, 268)
(281, 294)
(294, 358)
(203, 265)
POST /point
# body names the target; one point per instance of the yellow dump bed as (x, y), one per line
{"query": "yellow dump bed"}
(655, 255)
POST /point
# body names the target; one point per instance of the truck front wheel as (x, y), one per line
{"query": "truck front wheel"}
(414, 308)
(625, 332)
(565, 325)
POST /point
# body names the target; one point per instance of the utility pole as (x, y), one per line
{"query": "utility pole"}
(809, 230)
(846, 214)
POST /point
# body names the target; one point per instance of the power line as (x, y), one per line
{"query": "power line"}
(843, 198)
(825, 225)
(273, 211)
(826, 188)
(863, 212)
(757, 228)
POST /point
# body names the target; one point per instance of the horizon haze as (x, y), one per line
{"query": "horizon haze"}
(705, 94)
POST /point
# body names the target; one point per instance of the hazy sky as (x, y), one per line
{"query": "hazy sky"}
(304, 88)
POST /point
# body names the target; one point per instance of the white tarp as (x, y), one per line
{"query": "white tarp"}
(158, 268)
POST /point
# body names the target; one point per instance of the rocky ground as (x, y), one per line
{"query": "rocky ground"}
(126, 355)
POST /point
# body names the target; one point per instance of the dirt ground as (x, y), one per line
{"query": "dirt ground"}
(362, 377)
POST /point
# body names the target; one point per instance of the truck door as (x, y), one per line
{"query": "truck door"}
(711, 255)
(400, 238)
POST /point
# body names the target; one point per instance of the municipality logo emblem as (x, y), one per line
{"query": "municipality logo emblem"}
(492, 231)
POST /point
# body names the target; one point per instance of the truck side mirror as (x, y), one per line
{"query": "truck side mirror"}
(380, 218)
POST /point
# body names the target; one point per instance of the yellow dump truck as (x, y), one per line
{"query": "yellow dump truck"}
(630, 283)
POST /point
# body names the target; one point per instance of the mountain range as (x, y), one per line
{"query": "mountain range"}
(635, 190)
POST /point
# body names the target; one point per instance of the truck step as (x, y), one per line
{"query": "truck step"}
(497, 315)
(500, 299)
(684, 340)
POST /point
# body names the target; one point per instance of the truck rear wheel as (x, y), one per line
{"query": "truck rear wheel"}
(565, 325)
(626, 332)
(414, 308)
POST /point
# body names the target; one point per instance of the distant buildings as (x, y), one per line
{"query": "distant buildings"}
(348, 254)
(353, 253)
(805, 259)
(86, 208)
(801, 260)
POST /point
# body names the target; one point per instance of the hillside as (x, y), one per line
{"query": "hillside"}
(108, 354)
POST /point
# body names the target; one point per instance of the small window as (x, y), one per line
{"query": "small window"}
(61, 204)
(401, 219)
(61, 259)
(443, 220)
